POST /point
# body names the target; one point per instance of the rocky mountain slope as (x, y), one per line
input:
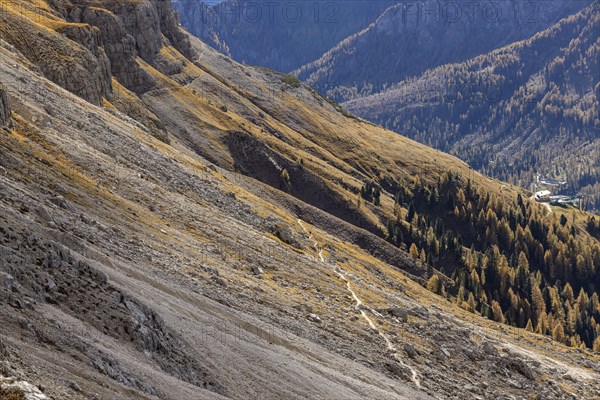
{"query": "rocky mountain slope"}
(188, 227)
(528, 108)
(279, 35)
(412, 37)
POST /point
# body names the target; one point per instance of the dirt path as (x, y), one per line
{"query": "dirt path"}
(547, 205)
(361, 307)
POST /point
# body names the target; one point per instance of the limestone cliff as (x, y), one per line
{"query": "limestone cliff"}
(77, 65)
(129, 30)
(104, 39)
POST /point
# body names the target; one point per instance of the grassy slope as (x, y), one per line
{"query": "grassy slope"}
(292, 120)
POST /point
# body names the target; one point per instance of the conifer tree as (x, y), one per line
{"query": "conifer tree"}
(411, 212)
(433, 284)
(529, 326)
(596, 345)
(471, 303)
(413, 251)
(497, 312)
(558, 333)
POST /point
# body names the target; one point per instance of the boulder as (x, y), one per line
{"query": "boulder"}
(314, 318)
(410, 350)
(399, 313)
(441, 354)
(75, 386)
(400, 370)
(283, 233)
(219, 281)
(489, 349)
(420, 312)
(256, 270)
(518, 365)
(6, 281)
(62, 202)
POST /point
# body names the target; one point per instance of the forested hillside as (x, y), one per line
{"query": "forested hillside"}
(510, 260)
(528, 108)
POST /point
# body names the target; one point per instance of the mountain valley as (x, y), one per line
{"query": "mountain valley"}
(525, 109)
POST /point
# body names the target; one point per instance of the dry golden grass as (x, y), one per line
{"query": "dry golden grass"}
(11, 394)
(337, 148)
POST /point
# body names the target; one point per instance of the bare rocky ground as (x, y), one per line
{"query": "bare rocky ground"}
(103, 298)
(134, 269)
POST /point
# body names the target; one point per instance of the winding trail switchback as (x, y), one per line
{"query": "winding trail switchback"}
(362, 308)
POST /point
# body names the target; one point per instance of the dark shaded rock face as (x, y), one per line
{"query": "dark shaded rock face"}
(93, 82)
(4, 110)
(120, 47)
(169, 25)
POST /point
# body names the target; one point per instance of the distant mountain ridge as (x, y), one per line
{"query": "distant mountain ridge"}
(279, 35)
(177, 225)
(411, 37)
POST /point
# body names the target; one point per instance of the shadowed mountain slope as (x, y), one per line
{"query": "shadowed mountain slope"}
(282, 35)
(412, 37)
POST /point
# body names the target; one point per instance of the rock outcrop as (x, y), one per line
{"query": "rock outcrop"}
(4, 109)
(121, 48)
(77, 65)
(169, 25)
(105, 39)
(58, 277)
(100, 67)
(132, 30)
